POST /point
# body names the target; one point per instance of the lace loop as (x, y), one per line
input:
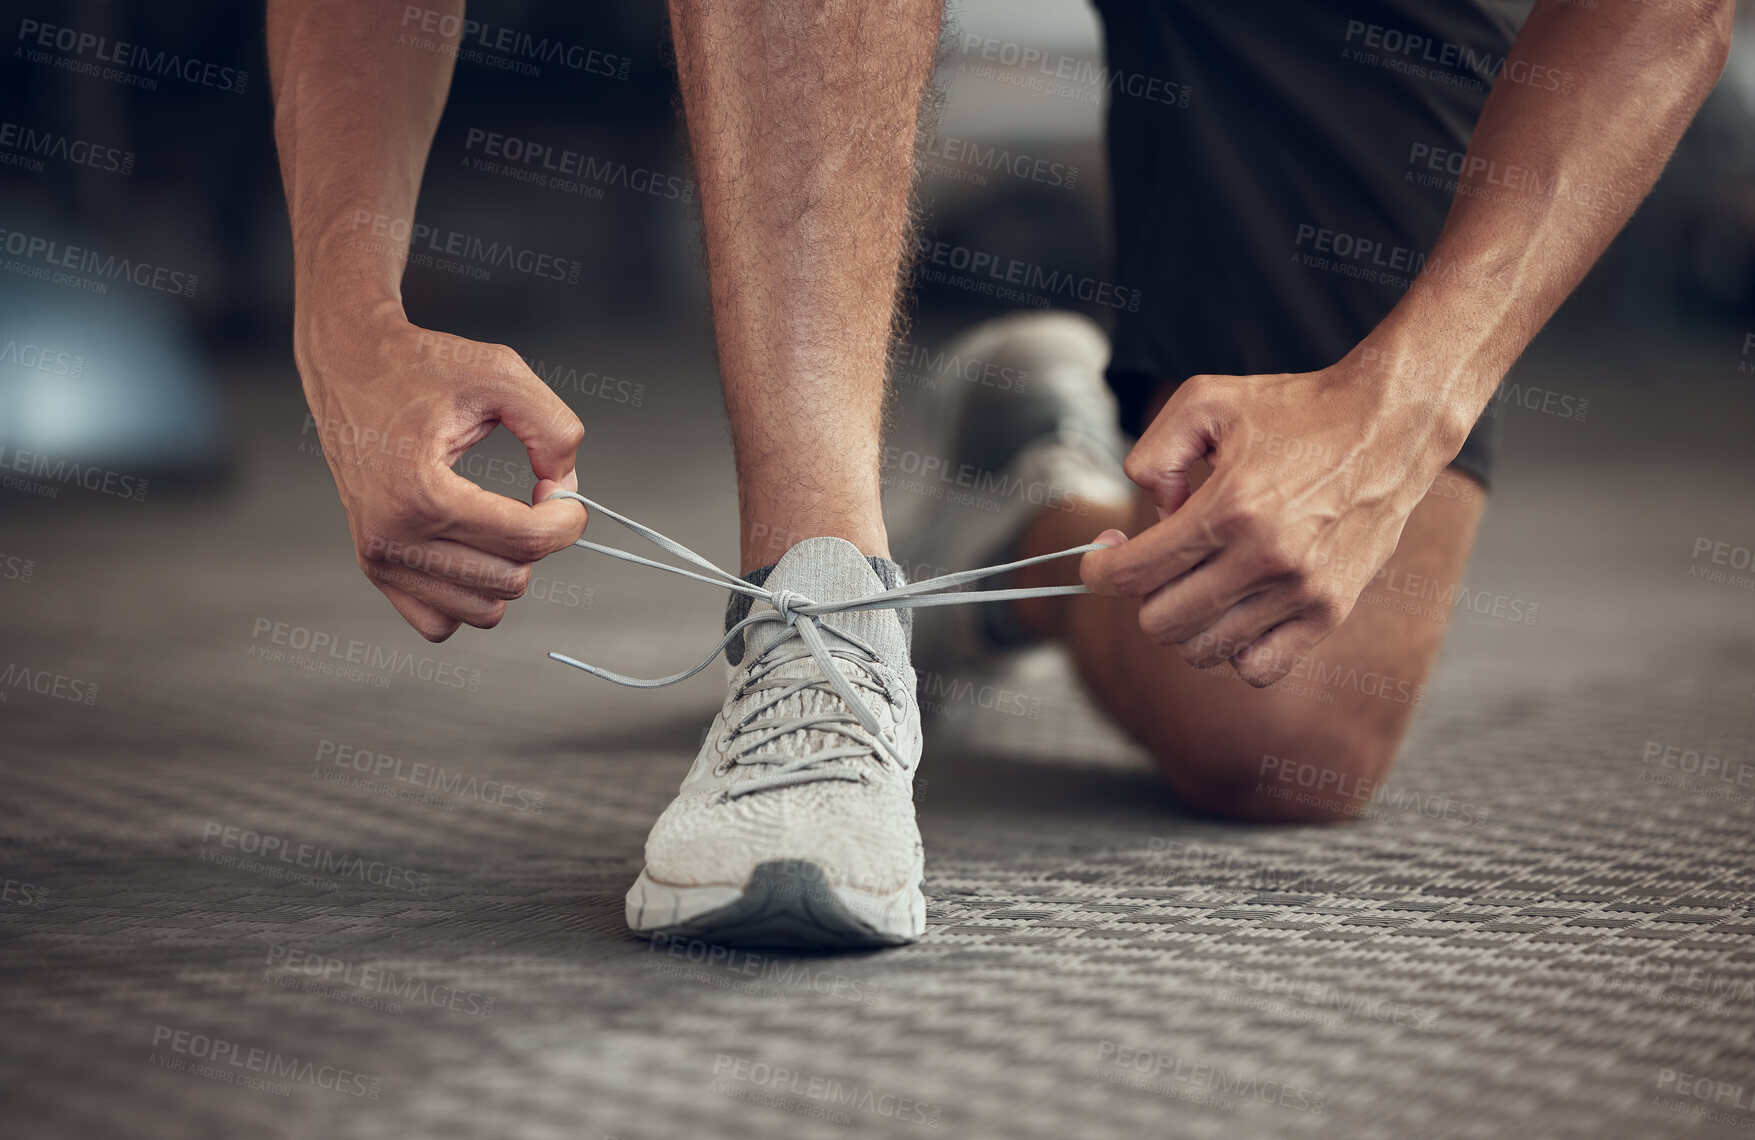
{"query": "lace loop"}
(804, 622)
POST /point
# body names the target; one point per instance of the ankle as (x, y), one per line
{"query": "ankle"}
(765, 541)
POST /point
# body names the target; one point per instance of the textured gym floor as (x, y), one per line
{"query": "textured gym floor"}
(1545, 927)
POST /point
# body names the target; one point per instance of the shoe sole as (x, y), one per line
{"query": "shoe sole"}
(786, 905)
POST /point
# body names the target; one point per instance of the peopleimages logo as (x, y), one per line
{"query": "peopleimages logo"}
(317, 860)
(330, 654)
(380, 766)
(825, 1091)
(1721, 1094)
(40, 466)
(1062, 74)
(37, 358)
(924, 367)
(967, 485)
(1321, 995)
(46, 684)
(242, 1065)
(791, 975)
(31, 146)
(1009, 278)
(506, 48)
(40, 256)
(558, 167)
(1459, 65)
(360, 984)
(101, 49)
(1455, 171)
(1162, 1068)
(454, 252)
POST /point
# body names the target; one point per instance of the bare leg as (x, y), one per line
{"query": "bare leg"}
(801, 118)
(1311, 747)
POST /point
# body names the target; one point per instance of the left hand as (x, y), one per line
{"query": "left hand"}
(1311, 472)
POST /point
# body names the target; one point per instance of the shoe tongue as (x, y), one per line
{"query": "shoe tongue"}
(831, 570)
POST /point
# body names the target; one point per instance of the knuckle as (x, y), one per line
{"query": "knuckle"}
(1327, 610)
(501, 360)
(569, 428)
(492, 615)
(1204, 648)
(1155, 629)
(1236, 517)
(1278, 558)
(518, 581)
(1124, 582)
(531, 543)
(1139, 470)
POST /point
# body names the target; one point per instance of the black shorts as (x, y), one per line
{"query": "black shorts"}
(1278, 172)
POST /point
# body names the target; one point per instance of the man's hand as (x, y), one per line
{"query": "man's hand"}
(396, 407)
(1313, 477)
(1318, 472)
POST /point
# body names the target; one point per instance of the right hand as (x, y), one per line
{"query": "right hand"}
(396, 407)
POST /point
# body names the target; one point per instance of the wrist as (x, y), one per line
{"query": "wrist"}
(343, 311)
(348, 270)
(1439, 393)
(337, 329)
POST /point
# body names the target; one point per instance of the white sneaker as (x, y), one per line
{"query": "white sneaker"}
(795, 826)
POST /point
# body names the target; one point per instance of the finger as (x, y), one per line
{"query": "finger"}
(453, 601)
(466, 566)
(427, 621)
(542, 421)
(1155, 556)
(505, 526)
(1238, 628)
(1278, 652)
(1178, 610)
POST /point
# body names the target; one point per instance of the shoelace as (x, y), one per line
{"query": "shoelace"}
(804, 618)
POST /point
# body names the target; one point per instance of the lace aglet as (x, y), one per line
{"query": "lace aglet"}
(576, 663)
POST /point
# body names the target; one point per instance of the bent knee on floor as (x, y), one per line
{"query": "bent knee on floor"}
(1321, 776)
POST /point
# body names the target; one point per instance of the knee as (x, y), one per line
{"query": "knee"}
(1321, 775)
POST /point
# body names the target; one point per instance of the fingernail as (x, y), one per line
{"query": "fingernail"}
(570, 480)
(1110, 538)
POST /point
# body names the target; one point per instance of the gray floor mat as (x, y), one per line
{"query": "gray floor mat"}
(1530, 935)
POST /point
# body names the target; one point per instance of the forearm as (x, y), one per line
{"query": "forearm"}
(354, 116)
(1550, 177)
